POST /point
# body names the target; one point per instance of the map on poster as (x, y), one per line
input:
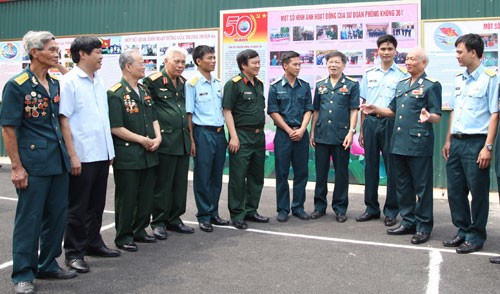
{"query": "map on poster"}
(439, 41)
(13, 57)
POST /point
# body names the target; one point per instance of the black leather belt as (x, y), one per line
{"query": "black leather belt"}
(375, 115)
(212, 128)
(253, 130)
(468, 136)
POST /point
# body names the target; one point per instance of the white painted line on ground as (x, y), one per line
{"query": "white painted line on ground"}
(8, 198)
(435, 260)
(6, 264)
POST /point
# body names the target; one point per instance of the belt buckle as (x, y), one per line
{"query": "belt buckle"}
(218, 130)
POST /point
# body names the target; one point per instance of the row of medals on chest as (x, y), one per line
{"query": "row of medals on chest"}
(130, 104)
(36, 105)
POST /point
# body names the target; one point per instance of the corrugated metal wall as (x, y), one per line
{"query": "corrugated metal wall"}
(74, 17)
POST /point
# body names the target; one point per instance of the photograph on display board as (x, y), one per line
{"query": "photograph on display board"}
(111, 45)
(327, 32)
(403, 30)
(354, 57)
(490, 41)
(150, 64)
(372, 56)
(376, 30)
(303, 33)
(281, 34)
(275, 58)
(400, 57)
(320, 56)
(351, 31)
(306, 57)
(189, 46)
(148, 49)
(490, 59)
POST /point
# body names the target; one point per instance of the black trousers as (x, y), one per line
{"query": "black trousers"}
(87, 197)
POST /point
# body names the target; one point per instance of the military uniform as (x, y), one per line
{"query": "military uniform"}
(334, 103)
(412, 146)
(171, 184)
(378, 88)
(134, 166)
(246, 167)
(291, 103)
(475, 100)
(42, 206)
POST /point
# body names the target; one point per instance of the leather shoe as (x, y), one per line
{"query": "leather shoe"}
(455, 242)
(24, 287)
(145, 239)
(218, 221)
(59, 274)
(495, 259)
(257, 218)
(389, 221)
(78, 264)
(367, 217)
(468, 247)
(240, 224)
(130, 247)
(180, 228)
(420, 237)
(206, 227)
(341, 218)
(302, 215)
(317, 214)
(401, 230)
(160, 233)
(104, 251)
(282, 217)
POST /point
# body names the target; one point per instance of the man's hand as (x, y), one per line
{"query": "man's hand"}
(193, 150)
(234, 145)
(446, 150)
(367, 108)
(155, 145)
(76, 166)
(19, 177)
(348, 140)
(484, 158)
(361, 140)
(296, 135)
(147, 143)
(424, 116)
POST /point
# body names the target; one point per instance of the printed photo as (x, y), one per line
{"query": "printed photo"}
(403, 30)
(279, 34)
(351, 31)
(376, 30)
(327, 32)
(305, 33)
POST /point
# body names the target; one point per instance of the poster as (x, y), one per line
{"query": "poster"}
(439, 41)
(152, 46)
(313, 31)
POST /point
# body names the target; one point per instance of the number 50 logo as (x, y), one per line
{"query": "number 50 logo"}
(239, 26)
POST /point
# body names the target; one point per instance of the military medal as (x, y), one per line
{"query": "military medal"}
(33, 94)
(165, 80)
(33, 79)
(344, 89)
(35, 113)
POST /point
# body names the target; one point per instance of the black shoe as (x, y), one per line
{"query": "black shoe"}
(401, 230)
(240, 224)
(160, 233)
(455, 242)
(367, 217)
(341, 218)
(468, 247)
(181, 228)
(145, 239)
(317, 214)
(25, 287)
(302, 215)
(206, 227)
(78, 264)
(282, 217)
(390, 221)
(104, 251)
(130, 247)
(495, 259)
(59, 274)
(420, 237)
(257, 218)
(218, 221)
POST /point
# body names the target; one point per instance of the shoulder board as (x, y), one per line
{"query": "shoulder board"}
(192, 81)
(371, 68)
(22, 78)
(260, 79)
(155, 76)
(431, 79)
(274, 82)
(54, 77)
(489, 72)
(115, 87)
(351, 79)
(236, 79)
(321, 80)
(402, 69)
(183, 79)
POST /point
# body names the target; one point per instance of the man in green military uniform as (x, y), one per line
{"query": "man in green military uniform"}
(136, 137)
(40, 165)
(243, 102)
(167, 90)
(416, 106)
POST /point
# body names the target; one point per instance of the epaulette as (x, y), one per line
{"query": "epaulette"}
(321, 80)
(155, 76)
(402, 69)
(192, 81)
(236, 79)
(489, 72)
(183, 79)
(351, 79)
(54, 77)
(22, 78)
(431, 79)
(115, 87)
(371, 68)
(274, 82)
(260, 79)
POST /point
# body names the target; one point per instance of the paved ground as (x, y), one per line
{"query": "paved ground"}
(318, 256)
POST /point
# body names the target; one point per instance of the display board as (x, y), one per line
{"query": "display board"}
(313, 31)
(439, 38)
(13, 58)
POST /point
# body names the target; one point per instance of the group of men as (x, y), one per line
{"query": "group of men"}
(62, 136)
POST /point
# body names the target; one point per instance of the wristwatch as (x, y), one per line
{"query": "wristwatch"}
(352, 131)
(488, 146)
